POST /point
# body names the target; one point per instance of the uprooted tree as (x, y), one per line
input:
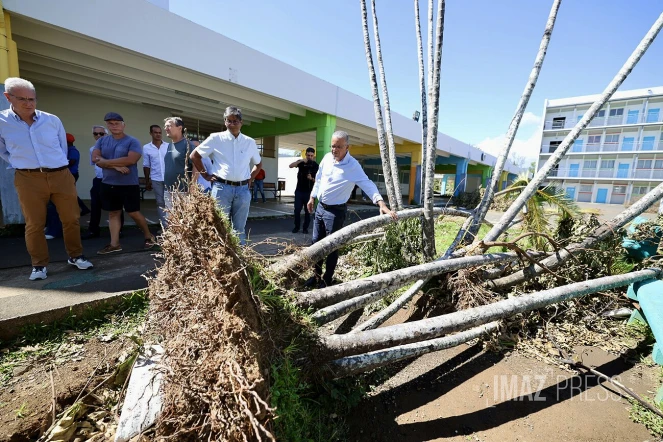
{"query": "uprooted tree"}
(218, 341)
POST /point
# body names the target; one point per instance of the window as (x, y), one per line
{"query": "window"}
(586, 188)
(644, 164)
(612, 139)
(617, 112)
(558, 123)
(600, 114)
(658, 164)
(553, 146)
(632, 117)
(594, 139)
(652, 115)
(619, 189)
(589, 164)
(607, 164)
(640, 190)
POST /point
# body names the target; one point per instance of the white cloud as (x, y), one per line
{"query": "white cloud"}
(529, 148)
(529, 118)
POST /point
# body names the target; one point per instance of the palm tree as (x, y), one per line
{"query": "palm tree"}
(393, 164)
(535, 216)
(384, 152)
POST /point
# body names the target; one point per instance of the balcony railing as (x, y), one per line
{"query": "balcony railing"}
(644, 174)
(609, 147)
(609, 121)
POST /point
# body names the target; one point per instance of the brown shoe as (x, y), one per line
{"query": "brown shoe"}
(109, 249)
(150, 243)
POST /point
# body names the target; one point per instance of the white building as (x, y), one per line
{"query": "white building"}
(618, 157)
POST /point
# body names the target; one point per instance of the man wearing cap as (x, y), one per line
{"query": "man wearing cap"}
(235, 161)
(34, 143)
(93, 230)
(117, 155)
(336, 177)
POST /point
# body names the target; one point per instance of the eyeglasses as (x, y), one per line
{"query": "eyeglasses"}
(98, 134)
(233, 122)
(25, 100)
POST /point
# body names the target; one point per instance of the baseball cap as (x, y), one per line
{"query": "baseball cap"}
(70, 138)
(113, 116)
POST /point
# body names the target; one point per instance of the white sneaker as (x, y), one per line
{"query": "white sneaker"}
(38, 273)
(81, 262)
(49, 236)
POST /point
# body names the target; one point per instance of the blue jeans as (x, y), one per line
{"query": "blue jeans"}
(301, 198)
(325, 223)
(235, 202)
(258, 185)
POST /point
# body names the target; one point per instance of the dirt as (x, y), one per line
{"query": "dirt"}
(26, 403)
(466, 393)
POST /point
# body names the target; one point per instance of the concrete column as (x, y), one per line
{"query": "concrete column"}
(323, 135)
(461, 175)
(11, 209)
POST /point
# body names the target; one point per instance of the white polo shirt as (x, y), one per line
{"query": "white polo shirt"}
(232, 157)
(153, 158)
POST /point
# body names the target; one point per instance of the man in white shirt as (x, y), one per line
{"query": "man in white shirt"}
(337, 176)
(153, 168)
(235, 162)
(35, 145)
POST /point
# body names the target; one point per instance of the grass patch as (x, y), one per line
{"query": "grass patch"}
(446, 231)
(641, 415)
(39, 341)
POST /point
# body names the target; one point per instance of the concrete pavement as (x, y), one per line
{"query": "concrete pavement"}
(68, 289)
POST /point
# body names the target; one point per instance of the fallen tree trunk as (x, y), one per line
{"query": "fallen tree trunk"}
(390, 310)
(336, 240)
(337, 346)
(488, 196)
(328, 314)
(370, 361)
(602, 232)
(517, 205)
(331, 295)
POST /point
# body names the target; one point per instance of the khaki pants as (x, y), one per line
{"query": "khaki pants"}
(34, 190)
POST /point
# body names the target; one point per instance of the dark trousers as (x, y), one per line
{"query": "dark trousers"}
(81, 204)
(301, 198)
(95, 203)
(325, 223)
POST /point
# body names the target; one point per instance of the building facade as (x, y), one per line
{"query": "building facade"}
(618, 157)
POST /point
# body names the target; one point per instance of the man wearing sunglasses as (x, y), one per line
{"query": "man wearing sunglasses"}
(93, 230)
(34, 143)
(236, 162)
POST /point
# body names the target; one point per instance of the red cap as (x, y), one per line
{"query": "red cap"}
(70, 138)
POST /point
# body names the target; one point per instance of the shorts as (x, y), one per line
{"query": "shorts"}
(115, 197)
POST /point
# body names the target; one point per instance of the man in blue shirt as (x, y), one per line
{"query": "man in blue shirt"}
(337, 176)
(34, 143)
(117, 154)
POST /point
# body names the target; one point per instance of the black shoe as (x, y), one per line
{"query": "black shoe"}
(305, 231)
(312, 281)
(295, 230)
(90, 235)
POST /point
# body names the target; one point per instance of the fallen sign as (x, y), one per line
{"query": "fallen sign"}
(144, 399)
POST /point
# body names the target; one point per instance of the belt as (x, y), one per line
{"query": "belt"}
(232, 183)
(334, 206)
(44, 169)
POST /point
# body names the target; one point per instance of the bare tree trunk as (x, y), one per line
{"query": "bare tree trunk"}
(391, 309)
(336, 293)
(393, 163)
(328, 314)
(488, 196)
(338, 346)
(342, 237)
(370, 361)
(431, 139)
(384, 153)
(424, 114)
(554, 160)
(602, 232)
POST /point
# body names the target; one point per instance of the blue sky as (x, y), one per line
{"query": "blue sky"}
(488, 51)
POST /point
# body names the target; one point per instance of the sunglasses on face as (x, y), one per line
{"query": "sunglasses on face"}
(98, 134)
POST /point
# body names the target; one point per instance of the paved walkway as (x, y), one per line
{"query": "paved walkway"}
(68, 289)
